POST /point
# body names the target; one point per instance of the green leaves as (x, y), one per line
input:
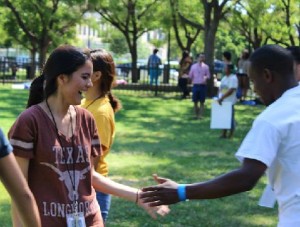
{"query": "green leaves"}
(37, 25)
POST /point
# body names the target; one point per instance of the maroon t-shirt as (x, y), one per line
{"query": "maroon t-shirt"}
(54, 172)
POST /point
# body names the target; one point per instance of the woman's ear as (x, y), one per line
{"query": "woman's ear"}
(62, 78)
(96, 76)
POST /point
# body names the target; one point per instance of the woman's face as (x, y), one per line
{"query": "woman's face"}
(77, 83)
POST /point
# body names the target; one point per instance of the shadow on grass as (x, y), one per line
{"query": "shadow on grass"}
(156, 125)
(158, 135)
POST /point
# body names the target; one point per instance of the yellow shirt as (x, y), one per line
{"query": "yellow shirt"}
(105, 121)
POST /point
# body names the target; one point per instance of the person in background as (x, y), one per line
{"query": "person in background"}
(16, 185)
(153, 67)
(295, 51)
(56, 143)
(228, 87)
(14, 69)
(271, 145)
(103, 105)
(226, 58)
(198, 75)
(242, 74)
(184, 68)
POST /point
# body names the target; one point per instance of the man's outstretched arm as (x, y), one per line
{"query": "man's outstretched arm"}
(236, 181)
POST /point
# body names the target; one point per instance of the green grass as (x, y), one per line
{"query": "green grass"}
(158, 135)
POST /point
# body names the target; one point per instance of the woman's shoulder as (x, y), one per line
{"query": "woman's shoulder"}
(28, 120)
(81, 111)
(33, 111)
(85, 119)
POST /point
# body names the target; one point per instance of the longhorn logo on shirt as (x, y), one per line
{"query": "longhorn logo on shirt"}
(65, 177)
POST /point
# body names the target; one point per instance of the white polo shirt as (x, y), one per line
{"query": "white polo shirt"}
(274, 139)
(229, 82)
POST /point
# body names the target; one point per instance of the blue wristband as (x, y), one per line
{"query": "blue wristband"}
(181, 192)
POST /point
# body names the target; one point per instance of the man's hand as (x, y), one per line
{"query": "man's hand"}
(163, 194)
(220, 100)
(153, 211)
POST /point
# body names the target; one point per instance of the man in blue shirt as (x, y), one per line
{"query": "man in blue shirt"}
(153, 66)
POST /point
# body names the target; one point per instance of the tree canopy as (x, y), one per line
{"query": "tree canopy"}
(196, 25)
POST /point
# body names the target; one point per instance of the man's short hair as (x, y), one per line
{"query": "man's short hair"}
(227, 55)
(295, 51)
(273, 57)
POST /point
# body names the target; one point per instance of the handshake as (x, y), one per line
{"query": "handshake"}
(165, 193)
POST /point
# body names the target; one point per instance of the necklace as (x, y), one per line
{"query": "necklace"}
(93, 102)
(73, 180)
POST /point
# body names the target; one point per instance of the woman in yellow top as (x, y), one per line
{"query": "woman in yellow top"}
(103, 105)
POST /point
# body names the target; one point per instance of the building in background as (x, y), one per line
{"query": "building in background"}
(91, 34)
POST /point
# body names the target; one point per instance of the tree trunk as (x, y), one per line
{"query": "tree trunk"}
(209, 48)
(42, 55)
(133, 52)
(30, 71)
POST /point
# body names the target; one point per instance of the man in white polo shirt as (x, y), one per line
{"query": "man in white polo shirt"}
(272, 144)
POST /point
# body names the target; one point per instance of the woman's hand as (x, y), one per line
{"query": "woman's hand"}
(151, 210)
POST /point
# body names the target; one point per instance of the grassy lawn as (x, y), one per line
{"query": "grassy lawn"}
(158, 135)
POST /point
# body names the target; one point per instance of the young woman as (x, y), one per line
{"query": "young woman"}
(103, 105)
(56, 142)
(227, 93)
